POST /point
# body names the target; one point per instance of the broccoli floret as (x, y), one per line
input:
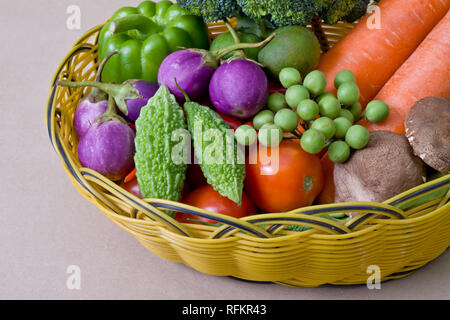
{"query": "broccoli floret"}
(278, 12)
(337, 10)
(255, 9)
(358, 11)
(289, 12)
(210, 10)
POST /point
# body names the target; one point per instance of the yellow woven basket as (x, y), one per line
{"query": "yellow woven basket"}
(258, 248)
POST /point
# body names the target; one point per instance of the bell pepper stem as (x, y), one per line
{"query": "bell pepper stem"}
(133, 22)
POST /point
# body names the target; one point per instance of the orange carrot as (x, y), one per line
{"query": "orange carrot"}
(131, 176)
(373, 55)
(425, 73)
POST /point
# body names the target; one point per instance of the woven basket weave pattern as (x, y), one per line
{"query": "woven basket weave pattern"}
(258, 247)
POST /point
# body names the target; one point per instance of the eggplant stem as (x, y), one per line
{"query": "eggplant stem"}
(232, 32)
(240, 53)
(102, 66)
(224, 51)
(110, 114)
(120, 92)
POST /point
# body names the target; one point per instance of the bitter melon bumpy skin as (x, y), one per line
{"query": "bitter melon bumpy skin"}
(216, 150)
(159, 175)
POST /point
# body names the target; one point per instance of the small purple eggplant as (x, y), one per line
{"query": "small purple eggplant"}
(93, 107)
(146, 90)
(239, 88)
(86, 114)
(108, 146)
(129, 96)
(193, 68)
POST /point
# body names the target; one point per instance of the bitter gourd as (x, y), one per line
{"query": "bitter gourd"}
(159, 175)
(221, 160)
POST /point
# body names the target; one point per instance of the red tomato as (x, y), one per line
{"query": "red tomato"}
(209, 199)
(289, 181)
(132, 187)
(327, 194)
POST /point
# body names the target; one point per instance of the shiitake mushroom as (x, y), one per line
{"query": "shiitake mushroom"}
(385, 168)
(428, 131)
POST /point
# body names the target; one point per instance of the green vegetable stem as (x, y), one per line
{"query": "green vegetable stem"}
(119, 92)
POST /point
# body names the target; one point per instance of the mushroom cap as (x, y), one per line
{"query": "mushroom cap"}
(428, 131)
(385, 168)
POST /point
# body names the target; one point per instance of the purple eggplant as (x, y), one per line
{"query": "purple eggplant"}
(106, 141)
(129, 96)
(108, 146)
(193, 68)
(86, 114)
(239, 89)
(92, 107)
(146, 90)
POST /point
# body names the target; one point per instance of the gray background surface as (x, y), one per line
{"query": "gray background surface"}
(46, 226)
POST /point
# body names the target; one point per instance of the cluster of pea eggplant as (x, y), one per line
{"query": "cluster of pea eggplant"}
(318, 118)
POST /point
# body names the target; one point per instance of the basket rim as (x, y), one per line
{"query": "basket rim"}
(84, 176)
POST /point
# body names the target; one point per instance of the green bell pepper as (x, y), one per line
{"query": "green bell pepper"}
(145, 36)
